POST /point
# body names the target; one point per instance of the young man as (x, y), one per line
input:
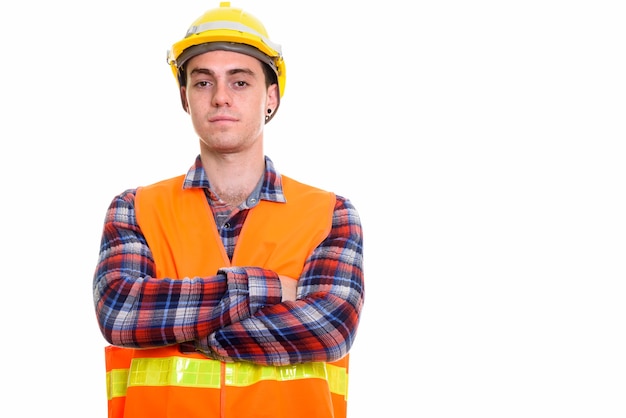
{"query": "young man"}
(229, 291)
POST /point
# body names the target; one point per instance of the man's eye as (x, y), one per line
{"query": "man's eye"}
(241, 83)
(202, 83)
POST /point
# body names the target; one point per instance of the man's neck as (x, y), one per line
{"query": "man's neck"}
(233, 176)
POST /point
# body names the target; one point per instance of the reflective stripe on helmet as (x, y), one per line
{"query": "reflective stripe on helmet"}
(228, 25)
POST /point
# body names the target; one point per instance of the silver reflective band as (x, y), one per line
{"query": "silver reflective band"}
(225, 24)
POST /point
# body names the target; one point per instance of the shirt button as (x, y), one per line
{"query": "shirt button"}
(227, 225)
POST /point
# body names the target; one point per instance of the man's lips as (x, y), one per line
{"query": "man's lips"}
(222, 118)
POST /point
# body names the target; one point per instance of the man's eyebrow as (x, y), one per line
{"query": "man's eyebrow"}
(204, 71)
(241, 70)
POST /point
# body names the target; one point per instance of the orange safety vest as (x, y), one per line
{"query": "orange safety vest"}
(164, 382)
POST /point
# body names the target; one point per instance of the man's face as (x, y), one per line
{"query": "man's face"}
(227, 99)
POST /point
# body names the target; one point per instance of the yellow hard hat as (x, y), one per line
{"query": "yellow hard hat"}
(231, 29)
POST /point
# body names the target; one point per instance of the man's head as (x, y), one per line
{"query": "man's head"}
(228, 29)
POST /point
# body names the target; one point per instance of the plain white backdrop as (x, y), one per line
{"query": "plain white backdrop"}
(482, 142)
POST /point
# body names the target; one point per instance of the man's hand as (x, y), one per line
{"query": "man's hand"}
(288, 285)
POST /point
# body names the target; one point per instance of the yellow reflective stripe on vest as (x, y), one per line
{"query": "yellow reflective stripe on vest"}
(117, 381)
(174, 371)
(337, 380)
(192, 372)
(246, 374)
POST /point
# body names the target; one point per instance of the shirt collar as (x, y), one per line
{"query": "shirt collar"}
(272, 188)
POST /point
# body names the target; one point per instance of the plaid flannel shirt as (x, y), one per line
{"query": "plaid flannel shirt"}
(237, 314)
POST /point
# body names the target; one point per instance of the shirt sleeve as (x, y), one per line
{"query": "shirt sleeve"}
(136, 309)
(321, 324)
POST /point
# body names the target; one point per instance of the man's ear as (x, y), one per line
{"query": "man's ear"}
(183, 98)
(272, 96)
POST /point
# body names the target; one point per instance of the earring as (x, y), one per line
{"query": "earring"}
(267, 117)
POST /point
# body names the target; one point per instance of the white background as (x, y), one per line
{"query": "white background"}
(481, 141)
